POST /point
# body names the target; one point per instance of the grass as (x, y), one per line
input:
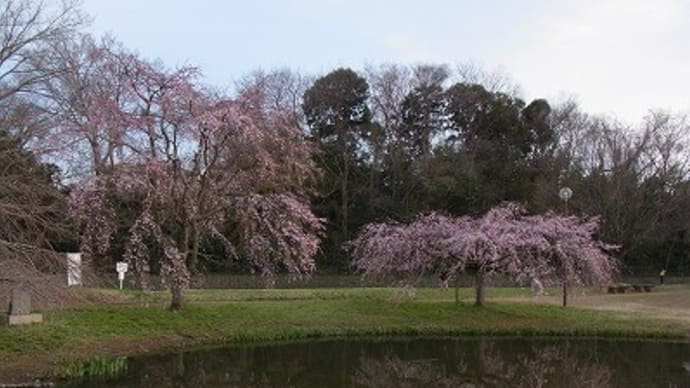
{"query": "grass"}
(139, 322)
(96, 367)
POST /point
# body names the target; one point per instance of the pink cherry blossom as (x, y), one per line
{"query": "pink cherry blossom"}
(505, 240)
(196, 164)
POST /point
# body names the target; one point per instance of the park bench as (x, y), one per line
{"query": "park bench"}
(618, 288)
(622, 288)
(643, 287)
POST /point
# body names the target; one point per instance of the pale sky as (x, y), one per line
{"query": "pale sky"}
(618, 57)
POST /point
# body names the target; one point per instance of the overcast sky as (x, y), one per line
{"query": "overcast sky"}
(619, 57)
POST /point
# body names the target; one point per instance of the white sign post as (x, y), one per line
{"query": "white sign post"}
(74, 269)
(121, 268)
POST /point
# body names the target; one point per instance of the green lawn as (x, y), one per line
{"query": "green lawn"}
(140, 322)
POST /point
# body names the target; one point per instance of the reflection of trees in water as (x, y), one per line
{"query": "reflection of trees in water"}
(425, 362)
(391, 371)
(198, 370)
(545, 366)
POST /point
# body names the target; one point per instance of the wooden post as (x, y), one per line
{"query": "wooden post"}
(565, 293)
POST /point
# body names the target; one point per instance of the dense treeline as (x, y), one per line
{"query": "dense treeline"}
(386, 142)
(398, 140)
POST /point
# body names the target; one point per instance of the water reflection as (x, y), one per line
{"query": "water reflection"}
(417, 363)
(547, 366)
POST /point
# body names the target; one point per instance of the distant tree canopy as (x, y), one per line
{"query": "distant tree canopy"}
(339, 121)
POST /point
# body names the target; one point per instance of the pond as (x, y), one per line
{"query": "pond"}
(435, 362)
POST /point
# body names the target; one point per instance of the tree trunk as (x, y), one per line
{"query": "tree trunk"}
(565, 294)
(344, 198)
(185, 241)
(344, 180)
(194, 258)
(177, 296)
(479, 284)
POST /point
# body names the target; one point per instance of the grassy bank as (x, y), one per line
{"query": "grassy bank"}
(138, 323)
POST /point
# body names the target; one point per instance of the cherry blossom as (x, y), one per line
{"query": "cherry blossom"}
(505, 240)
(196, 163)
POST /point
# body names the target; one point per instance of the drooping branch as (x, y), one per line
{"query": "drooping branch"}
(203, 164)
(504, 240)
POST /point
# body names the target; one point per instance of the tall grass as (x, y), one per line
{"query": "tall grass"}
(97, 367)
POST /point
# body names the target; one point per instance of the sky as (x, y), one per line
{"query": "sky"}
(615, 57)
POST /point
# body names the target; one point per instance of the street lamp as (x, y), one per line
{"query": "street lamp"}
(565, 193)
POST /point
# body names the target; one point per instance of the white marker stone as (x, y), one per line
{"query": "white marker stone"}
(74, 269)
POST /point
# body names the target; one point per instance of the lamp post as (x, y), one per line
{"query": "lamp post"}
(565, 193)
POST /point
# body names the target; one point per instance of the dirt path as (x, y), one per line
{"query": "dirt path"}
(672, 302)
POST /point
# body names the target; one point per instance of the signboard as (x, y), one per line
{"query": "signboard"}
(121, 268)
(74, 269)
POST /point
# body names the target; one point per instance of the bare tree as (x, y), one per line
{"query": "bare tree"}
(495, 81)
(88, 73)
(27, 27)
(276, 92)
(634, 176)
(30, 201)
(32, 210)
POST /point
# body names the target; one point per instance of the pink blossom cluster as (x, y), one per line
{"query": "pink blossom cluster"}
(174, 269)
(504, 240)
(144, 230)
(194, 164)
(89, 207)
(279, 233)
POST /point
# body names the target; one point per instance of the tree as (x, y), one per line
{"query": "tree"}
(32, 205)
(496, 140)
(30, 193)
(27, 30)
(339, 120)
(398, 192)
(92, 104)
(504, 240)
(279, 92)
(423, 111)
(32, 215)
(634, 177)
(202, 168)
(31, 199)
(564, 248)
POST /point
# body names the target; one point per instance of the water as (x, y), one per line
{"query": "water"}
(449, 362)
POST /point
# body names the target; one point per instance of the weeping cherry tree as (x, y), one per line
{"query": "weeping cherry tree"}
(503, 241)
(195, 167)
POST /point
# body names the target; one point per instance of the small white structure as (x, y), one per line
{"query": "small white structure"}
(74, 269)
(537, 287)
(121, 268)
